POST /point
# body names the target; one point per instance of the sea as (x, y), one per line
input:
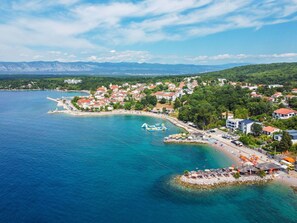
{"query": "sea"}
(61, 168)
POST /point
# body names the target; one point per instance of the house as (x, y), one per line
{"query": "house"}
(246, 126)
(83, 102)
(269, 130)
(275, 86)
(290, 96)
(276, 95)
(227, 115)
(233, 124)
(72, 81)
(283, 113)
(292, 133)
(166, 95)
(294, 90)
(114, 87)
(255, 95)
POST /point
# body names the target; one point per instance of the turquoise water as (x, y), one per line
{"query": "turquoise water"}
(59, 168)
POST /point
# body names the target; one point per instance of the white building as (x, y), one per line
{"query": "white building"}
(283, 113)
(233, 124)
(165, 95)
(246, 126)
(72, 81)
(292, 133)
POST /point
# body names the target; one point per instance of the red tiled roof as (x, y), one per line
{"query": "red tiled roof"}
(270, 129)
(83, 100)
(284, 111)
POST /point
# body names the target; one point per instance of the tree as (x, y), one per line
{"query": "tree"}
(163, 101)
(128, 106)
(236, 175)
(152, 100)
(177, 103)
(256, 129)
(138, 106)
(261, 173)
(286, 142)
(241, 113)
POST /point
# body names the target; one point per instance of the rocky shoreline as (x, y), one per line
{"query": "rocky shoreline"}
(243, 180)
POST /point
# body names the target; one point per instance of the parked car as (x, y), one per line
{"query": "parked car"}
(237, 143)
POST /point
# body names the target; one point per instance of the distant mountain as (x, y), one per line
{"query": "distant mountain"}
(112, 69)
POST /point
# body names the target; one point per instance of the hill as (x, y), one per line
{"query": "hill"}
(275, 73)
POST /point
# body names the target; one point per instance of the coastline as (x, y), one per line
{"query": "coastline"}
(231, 151)
(14, 90)
(244, 180)
(225, 150)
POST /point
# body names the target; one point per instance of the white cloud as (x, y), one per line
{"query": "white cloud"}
(123, 56)
(93, 28)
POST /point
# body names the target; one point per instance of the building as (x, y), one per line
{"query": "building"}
(233, 124)
(292, 133)
(166, 95)
(275, 86)
(246, 126)
(269, 130)
(283, 113)
(72, 81)
(227, 115)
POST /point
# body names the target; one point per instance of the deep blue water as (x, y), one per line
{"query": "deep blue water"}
(59, 168)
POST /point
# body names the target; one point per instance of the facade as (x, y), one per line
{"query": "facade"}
(283, 113)
(166, 95)
(246, 126)
(269, 130)
(292, 133)
(233, 124)
(294, 90)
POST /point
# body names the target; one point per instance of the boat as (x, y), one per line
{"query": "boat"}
(156, 127)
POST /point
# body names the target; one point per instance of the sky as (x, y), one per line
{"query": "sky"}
(152, 31)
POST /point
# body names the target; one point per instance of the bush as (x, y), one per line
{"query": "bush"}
(261, 173)
(236, 175)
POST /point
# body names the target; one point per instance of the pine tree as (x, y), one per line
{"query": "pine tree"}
(286, 142)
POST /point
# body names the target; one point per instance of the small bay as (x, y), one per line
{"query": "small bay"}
(60, 168)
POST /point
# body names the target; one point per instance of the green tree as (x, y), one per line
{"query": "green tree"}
(256, 129)
(138, 106)
(163, 101)
(151, 99)
(241, 113)
(128, 106)
(286, 142)
(177, 103)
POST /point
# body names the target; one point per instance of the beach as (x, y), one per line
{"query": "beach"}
(214, 140)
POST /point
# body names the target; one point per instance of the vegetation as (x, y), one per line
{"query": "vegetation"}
(261, 173)
(205, 106)
(280, 73)
(285, 143)
(236, 175)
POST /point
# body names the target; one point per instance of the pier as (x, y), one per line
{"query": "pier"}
(210, 178)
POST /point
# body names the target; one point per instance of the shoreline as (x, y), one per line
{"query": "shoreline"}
(14, 90)
(226, 148)
(174, 121)
(242, 181)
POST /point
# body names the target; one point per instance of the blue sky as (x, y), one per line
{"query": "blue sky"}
(162, 31)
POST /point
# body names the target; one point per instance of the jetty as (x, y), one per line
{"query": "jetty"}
(211, 178)
(197, 138)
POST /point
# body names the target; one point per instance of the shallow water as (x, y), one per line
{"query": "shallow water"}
(59, 168)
